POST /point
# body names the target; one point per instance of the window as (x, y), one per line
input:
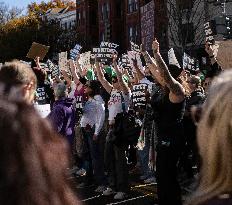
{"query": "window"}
(105, 11)
(132, 6)
(133, 33)
(188, 33)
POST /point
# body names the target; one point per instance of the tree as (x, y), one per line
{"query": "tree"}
(186, 23)
(7, 14)
(43, 7)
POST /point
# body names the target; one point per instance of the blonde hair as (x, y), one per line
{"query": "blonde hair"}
(215, 141)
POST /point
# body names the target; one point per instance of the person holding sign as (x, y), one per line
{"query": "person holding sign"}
(115, 158)
(169, 108)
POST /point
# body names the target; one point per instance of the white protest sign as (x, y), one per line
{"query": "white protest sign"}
(135, 47)
(55, 70)
(172, 58)
(85, 59)
(190, 63)
(75, 51)
(43, 110)
(105, 52)
(63, 61)
(209, 33)
(139, 95)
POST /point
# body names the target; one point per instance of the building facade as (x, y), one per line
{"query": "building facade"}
(87, 23)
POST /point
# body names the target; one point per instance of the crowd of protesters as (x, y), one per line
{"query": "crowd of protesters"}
(180, 136)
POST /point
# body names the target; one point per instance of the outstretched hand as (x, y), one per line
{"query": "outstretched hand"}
(209, 49)
(155, 46)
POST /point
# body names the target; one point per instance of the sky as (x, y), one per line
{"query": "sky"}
(20, 3)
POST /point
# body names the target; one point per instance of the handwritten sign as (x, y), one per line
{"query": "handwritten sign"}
(147, 24)
(190, 63)
(54, 69)
(105, 52)
(75, 51)
(139, 95)
(85, 59)
(209, 33)
(41, 94)
(63, 61)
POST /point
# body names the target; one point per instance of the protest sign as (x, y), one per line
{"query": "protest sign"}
(147, 24)
(54, 69)
(172, 58)
(124, 61)
(37, 50)
(63, 61)
(41, 95)
(139, 95)
(135, 47)
(209, 33)
(85, 59)
(43, 110)
(190, 63)
(75, 51)
(105, 52)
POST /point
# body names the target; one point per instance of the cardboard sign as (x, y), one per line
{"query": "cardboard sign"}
(43, 110)
(63, 59)
(105, 52)
(209, 33)
(172, 58)
(135, 47)
(139, 95)
(190, 63)
(147, 24)
(75, 51)
(85, 59)
(37, 50)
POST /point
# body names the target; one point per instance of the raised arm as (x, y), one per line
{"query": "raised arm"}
(177, 93)
(124, 87)
(209, 50)
(140, 74)
(108, 87)
(151, 64)
(66, 77)
(73, 71)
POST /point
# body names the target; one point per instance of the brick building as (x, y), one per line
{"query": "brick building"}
(87, 23)
(118, 21)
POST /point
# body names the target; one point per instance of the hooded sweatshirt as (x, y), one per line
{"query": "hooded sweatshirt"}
(62, 118)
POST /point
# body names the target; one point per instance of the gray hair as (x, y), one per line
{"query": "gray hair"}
(60, 90)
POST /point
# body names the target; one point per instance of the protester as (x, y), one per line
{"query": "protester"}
(169, 108)
(214, 141)
(62, 115)
(33, 158)
(19, 77)
(92, 122)
(115, 158)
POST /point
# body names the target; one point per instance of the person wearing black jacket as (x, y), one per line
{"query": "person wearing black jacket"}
(196, 98)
